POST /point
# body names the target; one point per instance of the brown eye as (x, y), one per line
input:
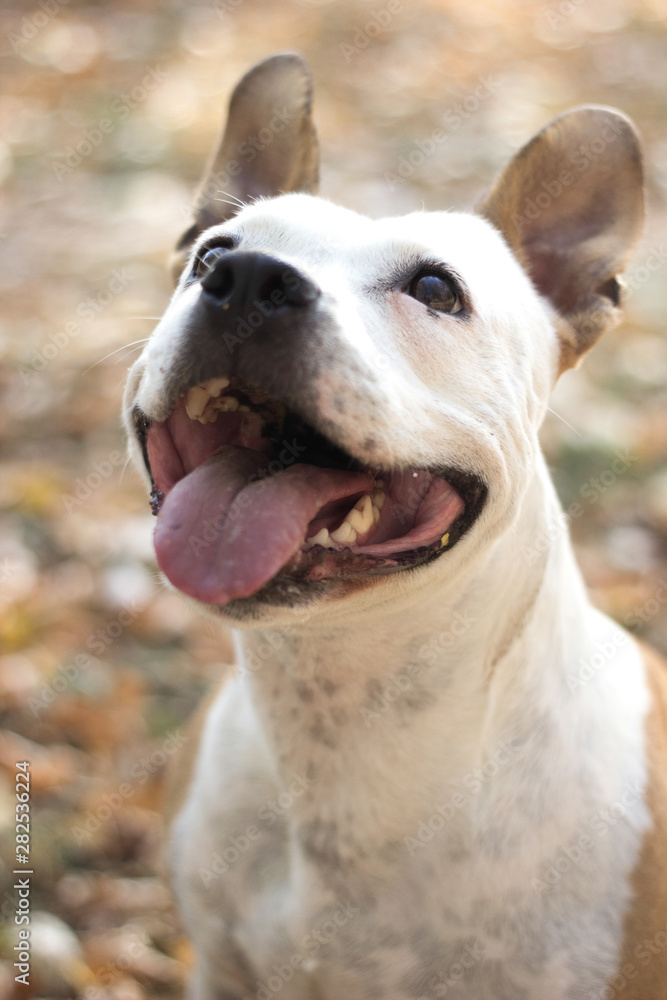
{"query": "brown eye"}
(436, 292)
(205, 262)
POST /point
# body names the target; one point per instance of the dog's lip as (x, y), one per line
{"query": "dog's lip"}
(471, 487)
(316, 563)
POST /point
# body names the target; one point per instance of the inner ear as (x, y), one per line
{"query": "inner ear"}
(268, 146)
(571, 206)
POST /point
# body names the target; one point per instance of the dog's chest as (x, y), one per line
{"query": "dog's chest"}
(456, 922)
(486, 894)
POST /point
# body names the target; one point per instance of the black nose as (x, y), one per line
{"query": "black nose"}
(242, 281)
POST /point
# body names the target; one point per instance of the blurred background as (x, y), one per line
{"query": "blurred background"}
(107, 113)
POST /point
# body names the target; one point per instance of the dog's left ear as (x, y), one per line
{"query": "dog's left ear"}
(268, 146)
(571, 206)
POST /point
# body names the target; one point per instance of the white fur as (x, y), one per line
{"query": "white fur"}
(385, 703)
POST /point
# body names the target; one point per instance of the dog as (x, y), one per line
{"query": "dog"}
(438, 770)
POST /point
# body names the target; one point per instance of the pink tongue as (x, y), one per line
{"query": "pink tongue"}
(227, 528)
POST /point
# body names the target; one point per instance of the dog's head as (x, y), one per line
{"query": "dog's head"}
(332, 404)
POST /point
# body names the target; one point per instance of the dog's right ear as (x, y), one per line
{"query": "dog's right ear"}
(268, 146)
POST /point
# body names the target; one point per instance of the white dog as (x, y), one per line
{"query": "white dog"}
(438, 770)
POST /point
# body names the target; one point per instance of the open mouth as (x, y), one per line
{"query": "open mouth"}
(246, 493)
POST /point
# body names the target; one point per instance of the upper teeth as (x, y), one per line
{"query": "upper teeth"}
(214, 386)
(204, 402)
(359, 520)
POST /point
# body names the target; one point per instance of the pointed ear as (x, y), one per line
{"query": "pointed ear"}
(571, 206)
(268, 146)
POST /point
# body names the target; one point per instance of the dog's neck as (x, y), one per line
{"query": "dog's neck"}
(343, 708)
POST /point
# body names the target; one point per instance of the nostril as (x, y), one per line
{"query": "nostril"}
(241, 281)
(272, 287)
(219, 282)
(287, 285)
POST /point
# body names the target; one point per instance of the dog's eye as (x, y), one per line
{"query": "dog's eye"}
(436, 292)
(205, 262)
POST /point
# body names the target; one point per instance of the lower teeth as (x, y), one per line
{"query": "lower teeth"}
(322, 538)
(362, 517)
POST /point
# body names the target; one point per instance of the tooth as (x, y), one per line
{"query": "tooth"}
(361, 516)
(378, 500)
(195, 401)
(344, 533)
(364, 504)
(322, 538)
(214, 386)
(214, 406)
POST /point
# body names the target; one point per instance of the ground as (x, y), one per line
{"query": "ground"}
(107, 112)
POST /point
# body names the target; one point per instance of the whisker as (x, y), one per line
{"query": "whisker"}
(225, 201)
(135, 345)
(231, 199)
(127, 319)
(124, 469)
(239, 201)
(565, 422)
(118, 384)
